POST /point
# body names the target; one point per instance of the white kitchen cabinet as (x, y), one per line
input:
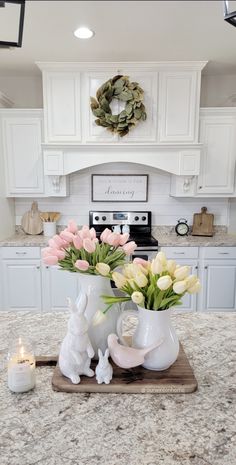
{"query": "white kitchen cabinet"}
(185, 256)
(22, 137)
(62, 106)
(219, 285)
(179, 96)
(21, 284)
(146, 131)
(218, 136)
(57, 285)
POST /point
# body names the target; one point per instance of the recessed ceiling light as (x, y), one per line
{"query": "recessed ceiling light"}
(83, 33)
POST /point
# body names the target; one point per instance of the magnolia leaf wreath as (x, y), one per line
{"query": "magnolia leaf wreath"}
(119, 87)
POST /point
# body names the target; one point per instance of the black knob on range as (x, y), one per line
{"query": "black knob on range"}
(136, 218)
(96, 218)
(143, 218)
(104, 218)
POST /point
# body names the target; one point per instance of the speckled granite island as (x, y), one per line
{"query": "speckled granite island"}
(52, 428)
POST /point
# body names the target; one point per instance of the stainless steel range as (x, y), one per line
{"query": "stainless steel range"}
(139, 224)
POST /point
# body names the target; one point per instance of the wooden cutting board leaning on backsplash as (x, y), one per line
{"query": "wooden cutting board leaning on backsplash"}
(203, 223)
(31, 222)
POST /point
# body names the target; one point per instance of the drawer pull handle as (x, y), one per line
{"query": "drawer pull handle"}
(223, 253)
(21, 253)
(179, 253)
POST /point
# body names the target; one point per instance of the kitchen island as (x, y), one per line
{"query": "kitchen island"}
(54, 428)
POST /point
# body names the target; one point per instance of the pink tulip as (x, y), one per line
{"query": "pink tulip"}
(67, 236)
(113, 239)
(78, 243)
(92, 233)
(60, 254)
(124, 238)
(52, 251)
(82, 265)
(105, 235)
(89, 245)
(84, 232)
(129, 248)
(52, 243)
(72, 227)
(50, 260)
(141, 261)
(60, 243)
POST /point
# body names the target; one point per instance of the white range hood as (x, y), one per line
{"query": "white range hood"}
(179, 160)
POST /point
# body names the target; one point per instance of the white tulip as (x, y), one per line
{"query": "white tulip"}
(164, 282)
(103, 268)
(195, 288)
(156, 266)
(98, 318)
(179, 287)
(130, 270)
(191, 280)
(141, 279)
(171, 266)
(162, 257)
(181, 272)
(119, 280)
(137, 297)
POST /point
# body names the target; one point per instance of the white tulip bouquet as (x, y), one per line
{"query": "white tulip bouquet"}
(155, 285)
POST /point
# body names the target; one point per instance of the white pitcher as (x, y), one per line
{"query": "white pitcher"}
(152, 326)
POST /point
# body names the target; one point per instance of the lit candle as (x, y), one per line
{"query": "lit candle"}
(21, 368)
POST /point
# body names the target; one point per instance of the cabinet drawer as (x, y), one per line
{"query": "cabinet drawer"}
(21, 252)
(219, 252)
(180, 252)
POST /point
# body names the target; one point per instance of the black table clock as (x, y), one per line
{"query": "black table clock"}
(182, 228)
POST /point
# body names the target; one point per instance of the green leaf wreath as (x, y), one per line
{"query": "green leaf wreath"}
(120, 88)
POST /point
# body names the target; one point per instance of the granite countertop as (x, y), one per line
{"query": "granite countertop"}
(44, 427)
(165, 235)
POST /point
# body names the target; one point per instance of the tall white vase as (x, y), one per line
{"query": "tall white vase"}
(94, 286)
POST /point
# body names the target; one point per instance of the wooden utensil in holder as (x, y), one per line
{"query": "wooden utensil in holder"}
(203, 223)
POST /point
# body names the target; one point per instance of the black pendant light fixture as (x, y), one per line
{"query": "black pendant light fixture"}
(9, 10)
(229, 17)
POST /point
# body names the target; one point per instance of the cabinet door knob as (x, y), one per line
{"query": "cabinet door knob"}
(38, 267)
(200, 187)
(206, 267)
(196, 267)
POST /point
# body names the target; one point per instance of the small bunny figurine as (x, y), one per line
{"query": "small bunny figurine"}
(76, 349)
(104, 370)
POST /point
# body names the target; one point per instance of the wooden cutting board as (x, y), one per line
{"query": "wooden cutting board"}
(203, 223)
(31, 222)
(178, 379)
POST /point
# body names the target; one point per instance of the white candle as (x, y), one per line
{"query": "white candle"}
(21, 369)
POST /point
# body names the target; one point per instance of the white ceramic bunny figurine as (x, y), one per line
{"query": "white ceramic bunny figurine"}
(76, 349)
(104, 370)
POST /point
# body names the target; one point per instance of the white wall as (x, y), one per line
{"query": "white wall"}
(7, 211)
(218, 90)
(166, 210)
(24, 91)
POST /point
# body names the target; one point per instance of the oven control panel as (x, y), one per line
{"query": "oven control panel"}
(118, 217)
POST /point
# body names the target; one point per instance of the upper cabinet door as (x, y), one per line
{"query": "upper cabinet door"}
(23, 154)
(179, 96)
(62, 121)
(218, 135)
(145, 131)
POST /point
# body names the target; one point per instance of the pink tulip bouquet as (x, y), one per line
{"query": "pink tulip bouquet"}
(155, 285)
(80, 251)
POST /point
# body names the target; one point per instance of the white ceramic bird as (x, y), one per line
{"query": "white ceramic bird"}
(128, 357)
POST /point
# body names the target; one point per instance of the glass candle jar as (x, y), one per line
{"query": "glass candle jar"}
(21, 367)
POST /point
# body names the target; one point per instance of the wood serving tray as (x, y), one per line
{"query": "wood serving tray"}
(178, 379)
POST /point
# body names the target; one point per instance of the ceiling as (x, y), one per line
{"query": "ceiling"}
(124, 31)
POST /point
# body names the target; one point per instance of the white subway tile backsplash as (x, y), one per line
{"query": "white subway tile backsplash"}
(166, 210)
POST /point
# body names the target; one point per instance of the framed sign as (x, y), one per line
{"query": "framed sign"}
(119, 187)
